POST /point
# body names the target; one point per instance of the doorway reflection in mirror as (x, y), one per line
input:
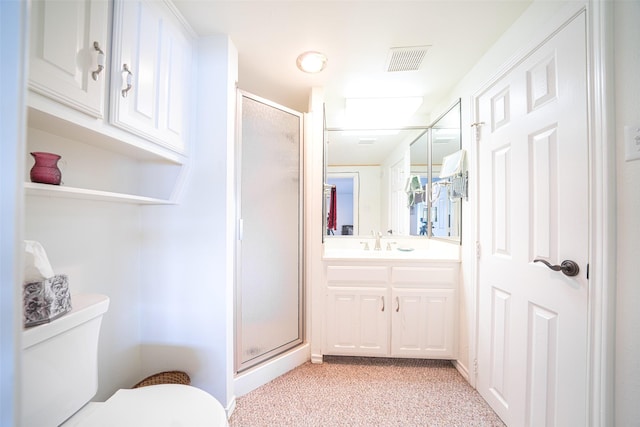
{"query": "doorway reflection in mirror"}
(342, 207)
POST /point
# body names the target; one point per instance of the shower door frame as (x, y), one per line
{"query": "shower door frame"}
(239, 365)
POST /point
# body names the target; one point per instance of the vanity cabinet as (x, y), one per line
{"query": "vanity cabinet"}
(357, 310)
(357, 321)
(68, 44)
(423, 323)
(391, 308)
(151, 67)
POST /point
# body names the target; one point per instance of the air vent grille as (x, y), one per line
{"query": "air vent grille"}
(406, 58)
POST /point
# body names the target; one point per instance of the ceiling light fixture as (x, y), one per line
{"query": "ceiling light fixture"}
(311, 62)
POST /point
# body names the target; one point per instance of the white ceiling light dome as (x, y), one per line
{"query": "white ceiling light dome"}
(311, 62)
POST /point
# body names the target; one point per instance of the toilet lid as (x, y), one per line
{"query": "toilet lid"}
(165, 405)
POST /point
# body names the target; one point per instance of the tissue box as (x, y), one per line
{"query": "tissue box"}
(46, 300)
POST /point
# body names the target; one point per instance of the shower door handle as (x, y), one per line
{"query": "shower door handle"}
(568, 267)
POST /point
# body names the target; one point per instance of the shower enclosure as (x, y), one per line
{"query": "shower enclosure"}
(269, 283)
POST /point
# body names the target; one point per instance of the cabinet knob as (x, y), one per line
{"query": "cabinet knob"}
(127, 76)
(100, 59)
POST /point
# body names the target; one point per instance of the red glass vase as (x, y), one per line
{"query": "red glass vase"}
(45, 170)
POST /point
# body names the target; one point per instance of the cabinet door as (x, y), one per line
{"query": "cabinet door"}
(151, 67)
(357, 321)
(423, 323)
(67, 52)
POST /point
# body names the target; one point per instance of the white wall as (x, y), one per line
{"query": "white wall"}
(188, 249)
(97, 245)
(627, 92)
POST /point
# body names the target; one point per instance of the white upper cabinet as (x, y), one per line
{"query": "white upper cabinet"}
(78, 50)
(68, 52)
(151, 68)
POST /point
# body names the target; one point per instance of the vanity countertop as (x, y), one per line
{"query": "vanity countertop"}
(401, 251)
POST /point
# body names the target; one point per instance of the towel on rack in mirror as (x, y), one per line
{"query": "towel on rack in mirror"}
(452, 164)
(332, 218)
(435, 191)
(414, 190)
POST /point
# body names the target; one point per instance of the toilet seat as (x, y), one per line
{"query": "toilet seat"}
(164, 405)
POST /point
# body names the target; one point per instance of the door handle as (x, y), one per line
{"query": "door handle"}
(568, 267)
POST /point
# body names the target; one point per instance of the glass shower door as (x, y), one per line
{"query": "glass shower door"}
(269, 281)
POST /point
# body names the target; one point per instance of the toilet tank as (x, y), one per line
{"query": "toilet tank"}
(60, 363)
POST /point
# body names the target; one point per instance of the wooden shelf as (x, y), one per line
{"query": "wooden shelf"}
(46, 190)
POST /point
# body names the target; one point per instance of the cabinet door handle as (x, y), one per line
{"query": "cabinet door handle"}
(382, 299)
(397, 304)
(100, 58)
(127, 79)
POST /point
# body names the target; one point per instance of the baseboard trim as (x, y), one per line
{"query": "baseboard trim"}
(462, 369)
(230, 407)
(270, 370)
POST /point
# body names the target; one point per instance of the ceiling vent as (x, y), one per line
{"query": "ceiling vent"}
(406, 58)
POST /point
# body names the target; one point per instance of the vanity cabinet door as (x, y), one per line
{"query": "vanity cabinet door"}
(152, 66)
(423, 323)
(68, 44)
(357, 321)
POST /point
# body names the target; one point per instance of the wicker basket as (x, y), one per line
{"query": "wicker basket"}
(168, 377)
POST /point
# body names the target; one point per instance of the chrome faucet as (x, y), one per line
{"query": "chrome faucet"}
(377, 247)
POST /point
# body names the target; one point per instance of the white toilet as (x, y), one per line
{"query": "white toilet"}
(60, 375)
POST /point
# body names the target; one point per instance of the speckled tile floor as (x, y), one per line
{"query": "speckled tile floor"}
(358, 391)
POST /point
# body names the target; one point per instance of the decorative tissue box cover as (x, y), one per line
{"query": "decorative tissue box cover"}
(46, 300)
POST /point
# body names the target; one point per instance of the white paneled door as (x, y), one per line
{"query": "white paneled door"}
(398, 211)
(533, 205)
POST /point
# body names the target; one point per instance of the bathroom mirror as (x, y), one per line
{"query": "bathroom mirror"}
(445, 199)
(382, 180)
(419, 174)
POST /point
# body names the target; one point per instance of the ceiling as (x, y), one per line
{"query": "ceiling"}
(356, 36)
